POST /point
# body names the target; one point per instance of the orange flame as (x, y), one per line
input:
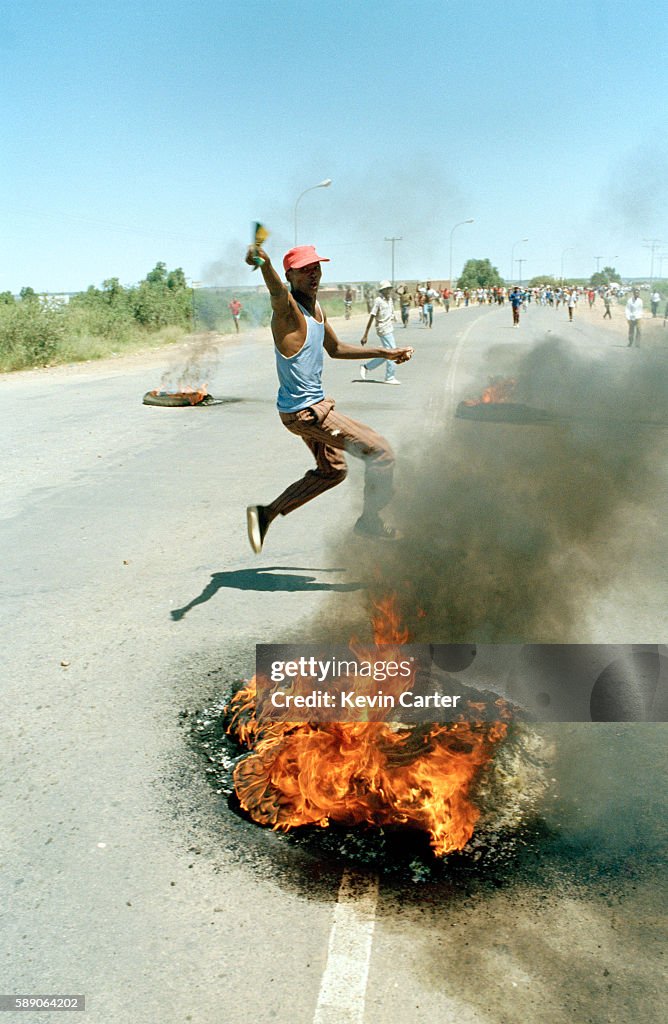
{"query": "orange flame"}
(373, 772)
(193, 395)
(498, 390)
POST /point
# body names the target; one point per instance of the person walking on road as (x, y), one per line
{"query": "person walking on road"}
(607, 302)
(516, 298)
(428, 309)
(571, 302)
(405, 299)
(382, 312)
(634, 310)
(301, 336)
(235, 308)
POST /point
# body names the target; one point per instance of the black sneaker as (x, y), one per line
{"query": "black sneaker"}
(258, 524)
(375, 528)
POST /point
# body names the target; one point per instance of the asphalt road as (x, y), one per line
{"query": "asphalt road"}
(130, 595)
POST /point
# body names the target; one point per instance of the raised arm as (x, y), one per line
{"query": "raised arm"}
(278, 290)
(288, 326)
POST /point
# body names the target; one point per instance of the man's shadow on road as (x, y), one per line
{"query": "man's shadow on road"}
(270, 578)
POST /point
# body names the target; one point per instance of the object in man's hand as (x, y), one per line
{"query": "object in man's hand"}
(260, 235)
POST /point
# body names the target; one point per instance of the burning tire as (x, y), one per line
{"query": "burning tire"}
(501, 412)
(178, 399)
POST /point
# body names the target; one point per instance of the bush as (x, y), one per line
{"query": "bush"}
(30, 333)
(34, 331)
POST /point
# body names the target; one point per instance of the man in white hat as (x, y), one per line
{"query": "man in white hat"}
(382, 312)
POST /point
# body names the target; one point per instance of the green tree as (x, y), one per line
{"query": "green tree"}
(113, 289)
(543, 279)
(479, 274)
(158, 275)
(161, 299)
(7, 299)
(604, 278)
(29, 295)
(176, 280)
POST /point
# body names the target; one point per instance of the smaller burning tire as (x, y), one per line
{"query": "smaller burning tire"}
(502, 412)
(174, 399)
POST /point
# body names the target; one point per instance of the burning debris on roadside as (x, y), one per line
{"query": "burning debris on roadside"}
(178, 399)
(184, 387)
(495, 405)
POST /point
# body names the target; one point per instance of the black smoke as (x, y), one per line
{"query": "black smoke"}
(509, 530)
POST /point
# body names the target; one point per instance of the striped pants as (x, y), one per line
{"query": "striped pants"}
(328, 435)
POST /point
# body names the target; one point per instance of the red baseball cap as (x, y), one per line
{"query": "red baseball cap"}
(301, 256)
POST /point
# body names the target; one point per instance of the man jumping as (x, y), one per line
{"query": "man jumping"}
(301, 335)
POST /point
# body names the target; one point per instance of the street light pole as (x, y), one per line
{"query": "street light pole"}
(451, 234)
(321, 184)
(512, 256)
(396, 238)
(569, 249)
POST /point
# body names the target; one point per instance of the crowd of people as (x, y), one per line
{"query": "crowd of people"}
(519, 298)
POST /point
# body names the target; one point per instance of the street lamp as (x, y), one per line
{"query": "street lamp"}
(321, 184)
(451, 234)
(512, 256)
(571, 248)
(395, 238)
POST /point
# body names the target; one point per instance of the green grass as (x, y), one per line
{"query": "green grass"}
(43, 336)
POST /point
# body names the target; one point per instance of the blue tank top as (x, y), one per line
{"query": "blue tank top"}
(300, 376)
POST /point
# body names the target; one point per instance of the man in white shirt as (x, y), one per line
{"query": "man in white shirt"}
(430, 294)
(382, 312)
(634, 309)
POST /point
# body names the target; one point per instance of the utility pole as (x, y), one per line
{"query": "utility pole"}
(598, 263)
(662, 256)
(396, 238)
(569, 249)
(193, 307)
(653, 244)
(512, 256)
(520, 263)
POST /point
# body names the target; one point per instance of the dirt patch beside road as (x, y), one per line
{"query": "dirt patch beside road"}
(653, 330)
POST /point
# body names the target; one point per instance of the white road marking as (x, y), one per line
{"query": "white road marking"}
(342, 995)
(452, 356)
(452, 375)
(343, 987)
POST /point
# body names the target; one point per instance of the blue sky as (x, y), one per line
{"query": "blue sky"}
(142, 131)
